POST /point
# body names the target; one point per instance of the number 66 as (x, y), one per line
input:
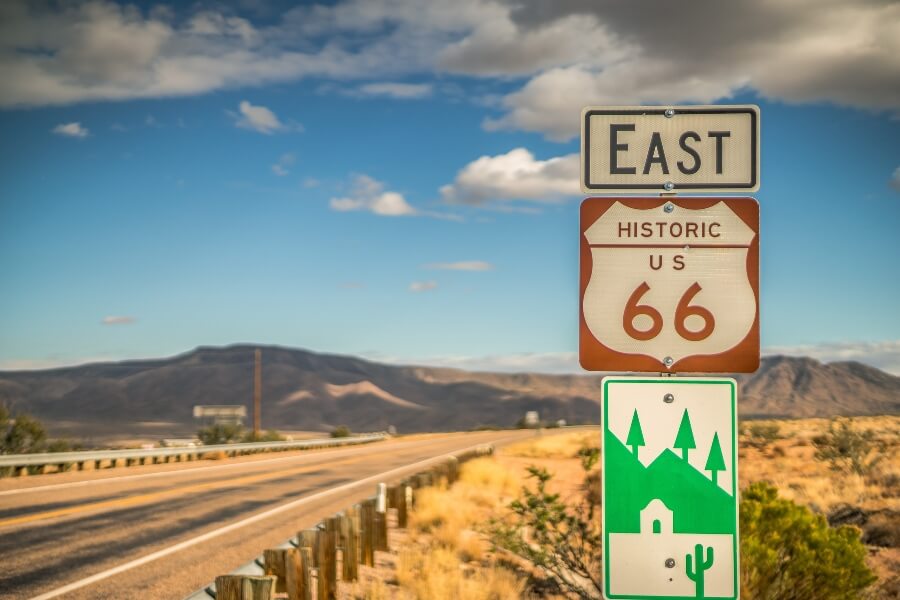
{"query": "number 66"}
(682, 312)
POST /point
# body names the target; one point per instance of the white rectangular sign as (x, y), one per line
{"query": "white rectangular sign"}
(670, 509)
(635, 149)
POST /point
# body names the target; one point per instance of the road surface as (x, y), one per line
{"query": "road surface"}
(164, 531)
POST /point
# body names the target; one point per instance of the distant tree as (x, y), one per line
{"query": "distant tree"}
(635, 434)
(21, 435)
(685, 438)
(716, 460)
(220, 434)
(341, 431)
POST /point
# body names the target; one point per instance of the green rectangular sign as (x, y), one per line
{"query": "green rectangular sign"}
(670, 510)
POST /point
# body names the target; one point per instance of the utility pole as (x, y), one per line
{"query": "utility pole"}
(257, 394)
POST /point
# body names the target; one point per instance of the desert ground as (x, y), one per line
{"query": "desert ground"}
(447, 553)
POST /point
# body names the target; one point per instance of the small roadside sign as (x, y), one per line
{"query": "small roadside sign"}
(670, 510)
(669, 284)
(639, 149)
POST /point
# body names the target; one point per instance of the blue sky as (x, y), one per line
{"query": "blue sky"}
(399, 180)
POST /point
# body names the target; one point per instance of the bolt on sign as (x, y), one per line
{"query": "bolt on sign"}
(670, 511)
(640, 149)
(669, 284)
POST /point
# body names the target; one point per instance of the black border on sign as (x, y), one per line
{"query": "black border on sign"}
(662, 111)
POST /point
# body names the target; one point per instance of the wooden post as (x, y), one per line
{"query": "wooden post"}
(404, 506)
(349, 545)
(308, 539)
(286, 565)
(454, 470)
(381, 541)
(367, 531)
(327, 574)
(245, 587)
(257, 393)
(306, 566)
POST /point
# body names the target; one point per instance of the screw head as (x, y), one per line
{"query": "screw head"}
(669, 207)
(670, 563)
(668, 186)
(668, 398)
(668, 361)
(670, 112)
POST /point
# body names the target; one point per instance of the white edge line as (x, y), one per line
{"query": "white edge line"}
(238, 524)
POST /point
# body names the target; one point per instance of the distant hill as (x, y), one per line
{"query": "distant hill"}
(307, 390)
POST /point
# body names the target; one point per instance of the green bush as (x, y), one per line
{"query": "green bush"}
(221, 434)
(789, 553)
(847, 449)
(341, 431)
(561, 539)
(270, 435)
(20, 434)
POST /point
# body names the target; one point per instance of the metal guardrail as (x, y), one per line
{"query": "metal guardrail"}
(59, 458)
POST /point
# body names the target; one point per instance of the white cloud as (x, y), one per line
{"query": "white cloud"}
(895, 179)
(280, 167)
(574, 52)
(261, 119)
(310, 182)
(369, 194)
(402, 91)
(841, 51)
(884, 355)
(468, 265)
(118, 320)
(516, 175)
(422, 286)
(71, 130)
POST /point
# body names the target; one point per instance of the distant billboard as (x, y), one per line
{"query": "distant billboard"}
(221, 413)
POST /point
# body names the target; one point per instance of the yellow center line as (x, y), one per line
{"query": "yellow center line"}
(156, 496)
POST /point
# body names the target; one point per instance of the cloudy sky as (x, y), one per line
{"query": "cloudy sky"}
(399, 178)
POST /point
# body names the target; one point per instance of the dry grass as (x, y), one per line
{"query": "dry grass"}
(557, 445)
(439, 575)
(790, 464)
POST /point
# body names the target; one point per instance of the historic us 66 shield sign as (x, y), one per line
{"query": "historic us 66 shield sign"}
(670, 284)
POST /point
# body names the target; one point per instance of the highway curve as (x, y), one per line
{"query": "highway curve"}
(163, 531)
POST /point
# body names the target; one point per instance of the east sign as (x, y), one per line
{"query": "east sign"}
(640, 149)
(669, 284)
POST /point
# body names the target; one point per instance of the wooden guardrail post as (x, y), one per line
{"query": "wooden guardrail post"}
(287, 565)
(326, 552)
(245, 587)
(367, 532)
(350, 545)
(381, 539)
(404, 504)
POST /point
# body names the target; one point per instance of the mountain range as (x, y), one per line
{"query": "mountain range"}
(312, 391)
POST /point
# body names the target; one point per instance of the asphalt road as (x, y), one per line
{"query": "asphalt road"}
(164, 531)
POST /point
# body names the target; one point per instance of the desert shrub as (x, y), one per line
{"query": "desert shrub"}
(20, 434)
(220, 434)
(790, 553)
(847, 449)
(760, 435)
(341, 431)
(565, 541)
(270, 435)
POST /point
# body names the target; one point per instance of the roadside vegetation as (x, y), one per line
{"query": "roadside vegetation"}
(21, 433)
(234, 434)
(819, 513)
